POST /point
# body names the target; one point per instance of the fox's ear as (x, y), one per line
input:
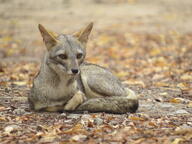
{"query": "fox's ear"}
(83, 35)
(48, 37)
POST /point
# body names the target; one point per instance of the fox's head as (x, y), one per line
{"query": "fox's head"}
(66, 52)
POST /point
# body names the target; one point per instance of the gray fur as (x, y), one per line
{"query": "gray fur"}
(93, 89)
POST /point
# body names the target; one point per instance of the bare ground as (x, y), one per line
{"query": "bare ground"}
(144, 42)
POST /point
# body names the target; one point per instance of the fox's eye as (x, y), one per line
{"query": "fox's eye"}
(79, 55)
(62, 56)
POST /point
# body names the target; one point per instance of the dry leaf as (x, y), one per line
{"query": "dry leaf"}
(176, 100)
(177, 141)
(137, 118)
(20, 83)
(186, 77)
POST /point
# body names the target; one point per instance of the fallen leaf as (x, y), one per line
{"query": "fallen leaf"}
(20, 83)
(78, 137)
(176, 100)
(190, 104)
(136, 118)
(177, 141)
(78, 128)
(11, 128)
(186, 77)
(2, 108)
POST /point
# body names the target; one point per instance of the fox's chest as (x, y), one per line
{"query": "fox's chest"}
(61, 92)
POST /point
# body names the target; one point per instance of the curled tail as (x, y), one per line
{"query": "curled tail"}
(112, 104)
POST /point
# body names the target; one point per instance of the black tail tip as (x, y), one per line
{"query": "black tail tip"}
(135, 106)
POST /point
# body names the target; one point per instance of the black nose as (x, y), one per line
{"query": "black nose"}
(74, 71)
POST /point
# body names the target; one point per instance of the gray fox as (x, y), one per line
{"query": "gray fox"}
(66, 83)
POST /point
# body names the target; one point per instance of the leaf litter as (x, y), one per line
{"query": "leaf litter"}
(155, 65)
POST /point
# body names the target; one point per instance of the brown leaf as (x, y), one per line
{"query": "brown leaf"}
(78, 128)
(134, 118)
(176, 100)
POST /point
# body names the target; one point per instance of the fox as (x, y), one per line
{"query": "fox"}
(65, 82)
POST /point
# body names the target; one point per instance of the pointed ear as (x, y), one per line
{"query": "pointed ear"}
(83, 35)
(48, 38)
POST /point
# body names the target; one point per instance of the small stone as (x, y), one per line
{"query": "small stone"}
(98, 121)
(185, 126)
(7, 90)
(79, 137)
(20, 99)
(85, 112)
(190, 104)
(113, 123)
(63, 114)
(19, 111)
(85, 119)
(163, 94)
(86, 116)
(73, 116)
(189, 123)
(11, 128)
(166, 105)
(159, 99)
(181, 111)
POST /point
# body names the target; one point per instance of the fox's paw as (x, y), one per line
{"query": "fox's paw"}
(75, 101)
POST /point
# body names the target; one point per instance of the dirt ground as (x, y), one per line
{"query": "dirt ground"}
(146, 43)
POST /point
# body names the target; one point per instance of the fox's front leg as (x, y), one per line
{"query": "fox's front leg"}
(75, 101)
